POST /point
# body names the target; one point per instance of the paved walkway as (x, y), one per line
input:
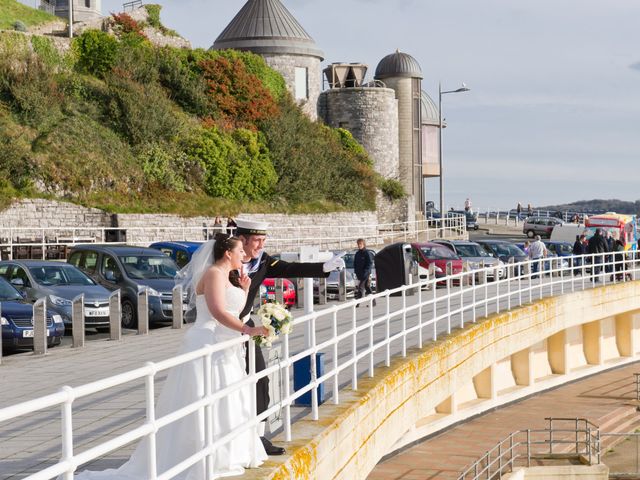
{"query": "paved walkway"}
(446, 455)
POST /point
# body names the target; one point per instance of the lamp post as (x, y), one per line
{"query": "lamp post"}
(440, 93)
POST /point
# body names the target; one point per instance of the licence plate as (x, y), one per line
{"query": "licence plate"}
(271, 296)
(96, 312)
(169, 306)
(29, 333)
(332, 296)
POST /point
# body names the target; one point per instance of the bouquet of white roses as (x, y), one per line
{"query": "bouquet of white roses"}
(276, 318)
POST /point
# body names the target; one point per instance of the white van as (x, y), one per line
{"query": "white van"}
(567, 232)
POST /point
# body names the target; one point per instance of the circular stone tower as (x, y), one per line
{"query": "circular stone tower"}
(430, 139)
(401, 72)
(266, 27)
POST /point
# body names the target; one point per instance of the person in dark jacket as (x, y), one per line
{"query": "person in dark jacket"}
(260, 266)
(597, 245)
(362, 266)
(579, 249)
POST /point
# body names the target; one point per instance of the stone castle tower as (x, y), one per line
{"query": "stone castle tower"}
(83, 10)
(266, 27)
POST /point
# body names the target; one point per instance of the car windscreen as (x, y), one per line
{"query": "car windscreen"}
(348, 260)
(565, 248)
(471, 250)
(507, 250)
(7, 292)
(436, 253)
(54, 275)
(143, 267)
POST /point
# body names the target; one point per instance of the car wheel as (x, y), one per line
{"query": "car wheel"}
(129, 315)
(531, 233)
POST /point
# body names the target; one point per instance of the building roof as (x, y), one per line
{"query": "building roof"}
(266, 26)
(429, 110)
(398, 64)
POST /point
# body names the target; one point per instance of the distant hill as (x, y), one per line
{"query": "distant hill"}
(597, 205)
(12, 11)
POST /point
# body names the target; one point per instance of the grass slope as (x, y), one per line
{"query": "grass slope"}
(12, 10)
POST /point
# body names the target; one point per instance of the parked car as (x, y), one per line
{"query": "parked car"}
(333, 285)
(504, 250)
(560, 249)
(550, 255)
(428, 253)
(471, 218)
(59, 283)
(268, 291)
(16, 320)
(131, 269)
(180, 252)
(475, 255)
(542, 226)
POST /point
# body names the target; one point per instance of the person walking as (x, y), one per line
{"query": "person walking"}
(260, 265)
(597, 246)
(579, 249)
(362, 266)
(467, 205)
(537, 252)
(529, 210)
(519, 210)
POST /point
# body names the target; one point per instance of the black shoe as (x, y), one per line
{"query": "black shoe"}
(270, 448)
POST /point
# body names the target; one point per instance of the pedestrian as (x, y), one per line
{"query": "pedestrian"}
(537, 251)
(362, 266)
(618, 248)
(529, 210)
(597, 247)
(526, 246)
(231, 226)
(467, 205)
(519, 209)
(610, 248)
(579, 249)
(217, 226)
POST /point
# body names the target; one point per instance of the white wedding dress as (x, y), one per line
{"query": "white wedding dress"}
(185, 384)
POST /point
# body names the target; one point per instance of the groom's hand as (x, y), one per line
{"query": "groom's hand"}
(336, 263)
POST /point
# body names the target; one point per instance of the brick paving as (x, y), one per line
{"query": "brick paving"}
(444, 456)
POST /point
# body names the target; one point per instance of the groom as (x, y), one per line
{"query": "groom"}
(262, 265)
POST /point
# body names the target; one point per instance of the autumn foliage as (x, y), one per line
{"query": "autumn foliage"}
(241, 98)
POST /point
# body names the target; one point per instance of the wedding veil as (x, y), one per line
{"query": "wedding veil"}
(189, 276)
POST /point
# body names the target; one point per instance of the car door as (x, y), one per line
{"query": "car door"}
(19, 279)
(110, 274)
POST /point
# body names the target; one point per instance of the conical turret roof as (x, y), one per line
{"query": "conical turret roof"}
(266, 26)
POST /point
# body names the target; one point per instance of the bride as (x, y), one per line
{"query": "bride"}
(220, 294)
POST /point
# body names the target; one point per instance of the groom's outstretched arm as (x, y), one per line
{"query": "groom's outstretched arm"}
(281, 269)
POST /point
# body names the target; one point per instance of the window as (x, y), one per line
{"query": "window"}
(87, 3)
(75, 259)
(302, 84)
(90, 262)
(182, 258)
(3, 270)
(20, 274)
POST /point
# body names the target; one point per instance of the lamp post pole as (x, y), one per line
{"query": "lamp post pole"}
(70, 18)
(440, 93)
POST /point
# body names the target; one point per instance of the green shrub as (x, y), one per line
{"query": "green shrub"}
(154, 15)
(19, 26)
(136, 59)
(142, 113)
(236, 166)
(163, 165)
(17, 164)
(96, 52)
(392, 188)
(50, 55)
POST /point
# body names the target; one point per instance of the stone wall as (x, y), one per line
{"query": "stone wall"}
(371, 115)
(286, 66)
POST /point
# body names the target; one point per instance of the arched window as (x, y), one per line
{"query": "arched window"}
(87, 3)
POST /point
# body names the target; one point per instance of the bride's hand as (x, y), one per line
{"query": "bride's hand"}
(259, 331)
(245, 281)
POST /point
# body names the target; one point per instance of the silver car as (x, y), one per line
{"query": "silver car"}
(475, 255)
(60, 283)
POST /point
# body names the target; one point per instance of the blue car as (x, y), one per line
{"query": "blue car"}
(181, 252)
(17, 320)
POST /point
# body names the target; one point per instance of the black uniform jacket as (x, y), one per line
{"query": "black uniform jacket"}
(270, 267)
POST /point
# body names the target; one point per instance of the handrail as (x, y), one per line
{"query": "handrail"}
(515, 287)
(499, 460)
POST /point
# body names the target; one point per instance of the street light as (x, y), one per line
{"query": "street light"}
(440, 93)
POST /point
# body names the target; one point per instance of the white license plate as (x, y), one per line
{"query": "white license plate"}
(332, 296)
(169, 306)
(96, 312)
(29, 333)
(271, 296)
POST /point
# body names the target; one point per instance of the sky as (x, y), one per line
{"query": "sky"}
(553, 114)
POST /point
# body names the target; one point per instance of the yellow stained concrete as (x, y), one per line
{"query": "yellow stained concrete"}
(349, 439)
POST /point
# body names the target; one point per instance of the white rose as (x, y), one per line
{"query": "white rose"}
(265, 320)
(279, 315)
(286, 328)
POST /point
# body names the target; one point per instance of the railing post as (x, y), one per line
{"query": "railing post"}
(287, 386)
(342, 285)
(449, 272)
(77, 321)
(314, 372)
(387, 332)
(354, 349)
(115, 320)
(404, 322)
(278, 285)
(208, 411)
(143, 312)
(151, 419)
(176, 304)
(67, 429)
(40, 327)
(371, 353)
(336, 383)
(419, 314)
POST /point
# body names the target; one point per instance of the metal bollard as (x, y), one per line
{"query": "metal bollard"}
(449, 272)
(342, 285)
(278, 285)
(115, 319)
(299, 284)
(322, 291)
(40, 327)
(77, 321)
(176, 304)
(511, 268)
(143, 312)
(0, 335)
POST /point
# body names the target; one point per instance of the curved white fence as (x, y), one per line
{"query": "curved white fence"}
(353, 340)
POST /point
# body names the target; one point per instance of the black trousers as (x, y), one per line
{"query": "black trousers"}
(262, 386)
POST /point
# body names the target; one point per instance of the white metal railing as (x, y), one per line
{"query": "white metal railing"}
(53, 243)
(466, 296)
